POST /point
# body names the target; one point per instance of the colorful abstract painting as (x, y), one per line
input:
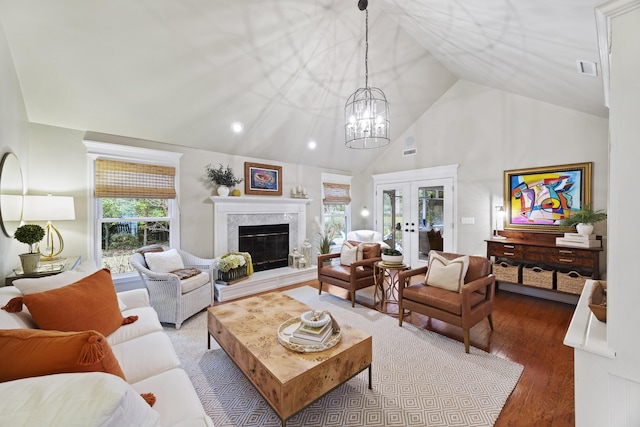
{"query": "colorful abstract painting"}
(542, 197)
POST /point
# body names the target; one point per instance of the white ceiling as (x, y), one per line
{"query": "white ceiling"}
(181, 71)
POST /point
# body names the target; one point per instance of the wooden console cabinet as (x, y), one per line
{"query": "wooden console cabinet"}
(540, 249)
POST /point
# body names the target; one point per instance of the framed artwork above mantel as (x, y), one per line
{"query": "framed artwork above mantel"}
(262, 180)
(538, 199)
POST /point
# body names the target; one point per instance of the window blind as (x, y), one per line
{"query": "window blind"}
(336, 194)
(124, 179)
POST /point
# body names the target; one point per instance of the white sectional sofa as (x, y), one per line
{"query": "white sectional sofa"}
(147, 359)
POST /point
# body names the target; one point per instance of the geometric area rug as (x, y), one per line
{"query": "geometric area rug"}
(420, 378)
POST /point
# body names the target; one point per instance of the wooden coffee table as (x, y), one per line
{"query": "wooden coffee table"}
(248, 331)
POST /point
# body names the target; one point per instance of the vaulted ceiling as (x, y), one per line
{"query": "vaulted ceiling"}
(181, 72)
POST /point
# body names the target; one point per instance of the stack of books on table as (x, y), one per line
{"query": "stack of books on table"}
(307, 335)
(579, 240)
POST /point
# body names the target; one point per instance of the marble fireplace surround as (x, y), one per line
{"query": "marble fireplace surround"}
(230, 212)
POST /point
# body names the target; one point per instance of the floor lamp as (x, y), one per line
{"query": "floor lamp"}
(49, 208)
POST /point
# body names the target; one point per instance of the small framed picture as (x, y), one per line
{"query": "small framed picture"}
(263, 180)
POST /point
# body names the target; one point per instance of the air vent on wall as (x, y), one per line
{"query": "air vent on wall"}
(409, 152)
(587, 68)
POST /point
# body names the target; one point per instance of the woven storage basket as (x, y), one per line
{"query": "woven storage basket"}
(538, 277)
(571, 282)
(505, 272)
(233, 274)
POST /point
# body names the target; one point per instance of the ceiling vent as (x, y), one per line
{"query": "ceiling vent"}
(587, 68)
(410, 152)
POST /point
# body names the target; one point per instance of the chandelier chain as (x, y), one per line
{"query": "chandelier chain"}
(366, 49)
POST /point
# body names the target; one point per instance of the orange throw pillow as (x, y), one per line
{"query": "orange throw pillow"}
(31, 352)
(88, 304)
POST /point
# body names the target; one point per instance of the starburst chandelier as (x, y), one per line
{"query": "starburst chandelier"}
(366, 112)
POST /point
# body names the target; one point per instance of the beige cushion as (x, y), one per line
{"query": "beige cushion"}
(446, 274)
(164, 262)
(194, 282)
(350, 253)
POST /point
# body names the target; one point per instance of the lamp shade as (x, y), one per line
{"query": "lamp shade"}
(48, 208)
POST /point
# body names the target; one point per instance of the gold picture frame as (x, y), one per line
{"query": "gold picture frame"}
(540, 198)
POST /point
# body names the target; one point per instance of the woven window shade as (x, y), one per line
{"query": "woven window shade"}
(336, 194)
(123, 179)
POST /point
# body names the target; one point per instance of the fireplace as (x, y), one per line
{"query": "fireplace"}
(267, 244)
(233, 214)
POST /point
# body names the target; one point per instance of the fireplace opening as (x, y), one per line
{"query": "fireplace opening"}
(267, 244)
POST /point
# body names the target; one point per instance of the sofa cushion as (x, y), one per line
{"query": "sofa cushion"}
(147, 323)
(32, 352)
(187, 285)
(446, 274)
(439, 298)
(86, 399)
(146, 356)
(89, 304)
(177, 401)
(164, 262)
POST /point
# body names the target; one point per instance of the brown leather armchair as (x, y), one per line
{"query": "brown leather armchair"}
(353, 277)
(465, 308)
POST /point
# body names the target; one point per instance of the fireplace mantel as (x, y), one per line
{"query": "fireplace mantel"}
(266, 200)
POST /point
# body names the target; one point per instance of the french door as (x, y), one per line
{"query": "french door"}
(416, 216)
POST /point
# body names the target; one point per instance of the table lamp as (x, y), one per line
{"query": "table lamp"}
(499, 214)
(49, 208)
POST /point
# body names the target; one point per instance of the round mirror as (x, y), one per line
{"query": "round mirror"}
(11, 193)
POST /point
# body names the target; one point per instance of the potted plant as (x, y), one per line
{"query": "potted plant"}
(583, 220)
(223, 177)
(392, 256)
(30, 234)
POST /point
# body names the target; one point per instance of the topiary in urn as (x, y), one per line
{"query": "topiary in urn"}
(30, 234)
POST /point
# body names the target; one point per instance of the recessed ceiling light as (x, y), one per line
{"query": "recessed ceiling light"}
(237, 127)
(312, 145)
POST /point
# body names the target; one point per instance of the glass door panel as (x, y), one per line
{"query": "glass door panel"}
(392, 208)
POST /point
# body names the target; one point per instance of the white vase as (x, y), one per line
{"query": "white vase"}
(584, 229)
(223, 190)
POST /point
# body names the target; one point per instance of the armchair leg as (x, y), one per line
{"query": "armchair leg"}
(353, 298)
(490, 321)
(401, 312)
(319, 288)
(466, 341)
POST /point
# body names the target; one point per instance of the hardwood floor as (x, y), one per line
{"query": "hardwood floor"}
(528, 331)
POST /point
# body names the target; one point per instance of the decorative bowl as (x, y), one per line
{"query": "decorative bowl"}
(392, 259)
(307, 316)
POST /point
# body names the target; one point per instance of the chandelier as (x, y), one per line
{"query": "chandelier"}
(366, 112)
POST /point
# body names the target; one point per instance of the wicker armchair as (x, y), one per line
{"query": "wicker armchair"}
(167, 294)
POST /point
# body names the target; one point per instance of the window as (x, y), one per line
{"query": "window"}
(134, 202)
(336, 200)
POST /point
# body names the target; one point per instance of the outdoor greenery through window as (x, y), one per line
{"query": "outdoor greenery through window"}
(335, 222)
(128, 224)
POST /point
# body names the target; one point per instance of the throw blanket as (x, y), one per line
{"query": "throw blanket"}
(185, 273)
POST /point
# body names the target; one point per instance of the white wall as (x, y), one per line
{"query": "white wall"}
(13, 137)
(60, 166)
(487, 131)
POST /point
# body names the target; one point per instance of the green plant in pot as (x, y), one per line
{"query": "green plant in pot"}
(392, 256)
(583, 220)
(30, 234)
(223, 177)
